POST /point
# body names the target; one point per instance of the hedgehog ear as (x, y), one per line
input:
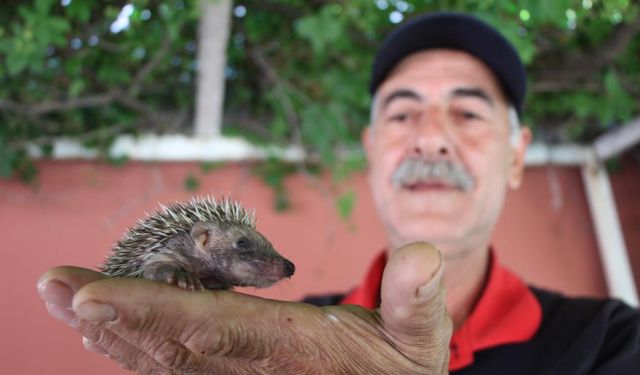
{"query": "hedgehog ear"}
(201, 232)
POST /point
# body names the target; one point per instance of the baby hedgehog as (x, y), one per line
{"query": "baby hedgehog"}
(196, 245)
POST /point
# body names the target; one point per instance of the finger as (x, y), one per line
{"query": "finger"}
(147, 353)
(172, 355)
(57, 286)
(182, 282)
(412, 300)
(198, 285)
(93, 347)
(97, 338)
(73, 277)
(62, 313)
(216, 321)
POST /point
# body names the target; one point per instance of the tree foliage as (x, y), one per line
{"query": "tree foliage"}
(91, 71)
(297, 69)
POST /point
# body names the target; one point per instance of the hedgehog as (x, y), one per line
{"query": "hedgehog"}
(201, 244)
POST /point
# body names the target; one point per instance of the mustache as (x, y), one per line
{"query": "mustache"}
(417, 170)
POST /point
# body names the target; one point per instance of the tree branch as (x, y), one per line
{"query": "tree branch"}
(276, 7)
(57, 106)
(246, 122)
(560, 86)
(571, 69)
(258, 57)
(271, 6)
(126, 98)
(280, 84)
(151, 64)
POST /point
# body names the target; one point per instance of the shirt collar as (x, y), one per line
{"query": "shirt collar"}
(506, 313)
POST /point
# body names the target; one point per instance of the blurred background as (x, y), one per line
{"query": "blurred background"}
(109, 108)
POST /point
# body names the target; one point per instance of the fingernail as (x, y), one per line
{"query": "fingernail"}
(62, 313)
(96, 312)
(56, 292)
(125, 366)
(428, 289)
(93, 347)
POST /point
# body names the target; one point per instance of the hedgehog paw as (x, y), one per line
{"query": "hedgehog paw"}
(184, 280)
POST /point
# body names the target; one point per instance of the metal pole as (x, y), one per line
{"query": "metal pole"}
(613, 252)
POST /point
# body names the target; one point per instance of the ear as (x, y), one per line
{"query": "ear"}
(201, 234)
(519, 152)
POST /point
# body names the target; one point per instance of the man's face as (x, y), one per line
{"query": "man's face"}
(439, 152)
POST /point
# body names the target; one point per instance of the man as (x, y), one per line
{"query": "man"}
(444, 145)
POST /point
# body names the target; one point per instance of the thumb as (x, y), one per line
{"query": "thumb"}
(413, 307)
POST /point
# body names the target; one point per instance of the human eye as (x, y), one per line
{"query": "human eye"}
(466, 116)
(469, 115)
(399, 117)
(401, 113)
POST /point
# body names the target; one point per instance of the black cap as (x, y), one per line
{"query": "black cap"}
(453, 31)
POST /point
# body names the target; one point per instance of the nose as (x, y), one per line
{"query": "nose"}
(432, 135)
(289, 268)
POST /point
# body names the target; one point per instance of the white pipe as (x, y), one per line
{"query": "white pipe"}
(563, 155)
(171, 148)
(618, 140)
(178, 147)
(615, 261)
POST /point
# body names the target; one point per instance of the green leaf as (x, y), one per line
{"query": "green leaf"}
(321, 29)
(613, 165)
(79, 10)
(47, 150)
(7, 159)
(6, 166)
(273, 173)
(281, 200)
(619, 104)
(43, 6)
(345, 204)
(113, 75)
(191, 183)
(57, 26)
(73, 67)
(349, 165)
(118, 161)
(26, 169)
(208, 166)
(76, 88)
(16, 63)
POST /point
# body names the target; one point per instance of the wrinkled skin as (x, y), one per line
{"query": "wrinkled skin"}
(222, 332)
(444, 106)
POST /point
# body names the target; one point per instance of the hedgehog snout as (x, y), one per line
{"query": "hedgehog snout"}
(289, 268)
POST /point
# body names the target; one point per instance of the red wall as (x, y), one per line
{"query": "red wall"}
(80, 208)
(625, 183)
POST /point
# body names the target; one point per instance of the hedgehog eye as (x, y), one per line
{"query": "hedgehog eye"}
(242, 243)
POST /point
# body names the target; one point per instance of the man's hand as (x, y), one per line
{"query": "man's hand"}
(153, 328)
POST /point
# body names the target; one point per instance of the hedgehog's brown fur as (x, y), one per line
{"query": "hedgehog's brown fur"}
(167, 233)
